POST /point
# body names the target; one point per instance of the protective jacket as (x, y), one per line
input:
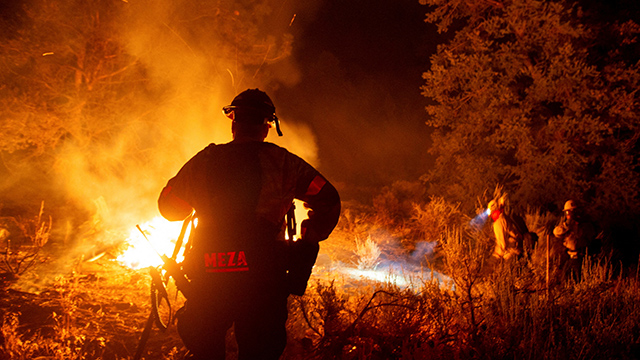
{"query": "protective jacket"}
(576, 235)
(508, 237)
(241, 193)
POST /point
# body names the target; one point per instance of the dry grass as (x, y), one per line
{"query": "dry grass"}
(97, 312)
(489, 310)
(21, 241)
(368, 253)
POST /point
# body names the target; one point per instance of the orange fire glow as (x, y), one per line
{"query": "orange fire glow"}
(162, 235)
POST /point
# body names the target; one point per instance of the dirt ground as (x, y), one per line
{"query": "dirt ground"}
(65, 307)
(94, 310)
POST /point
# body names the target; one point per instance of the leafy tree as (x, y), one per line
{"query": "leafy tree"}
(540, 96)
(62, 67)
(74, 75)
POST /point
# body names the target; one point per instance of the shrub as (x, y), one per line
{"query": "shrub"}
(21, 247)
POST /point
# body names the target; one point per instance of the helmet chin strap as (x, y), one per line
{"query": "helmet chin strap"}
(277, 126)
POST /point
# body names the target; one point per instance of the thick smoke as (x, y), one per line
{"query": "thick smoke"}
(185, 48)
(361, 65)
(345, 83)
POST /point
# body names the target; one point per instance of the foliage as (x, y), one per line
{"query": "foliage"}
(21, 249)
(96, 312)
(368, 253)
(433, 219)
(372, 323)
(395, 203)
(408, 213)
(91, 87)
(465, 262)
(488, 310)
(503, 313)
(69, 72)
(527, 94)
(64, 69)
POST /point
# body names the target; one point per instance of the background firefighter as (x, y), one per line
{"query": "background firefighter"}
(240, 265)
(578, 235)
(510, 231)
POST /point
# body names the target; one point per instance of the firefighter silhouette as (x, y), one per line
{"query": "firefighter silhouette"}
(241, 267)
(578, 236)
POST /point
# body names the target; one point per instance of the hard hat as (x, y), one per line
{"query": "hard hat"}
(253, 100)
(256, 105)
(569, 205)
(493, 205)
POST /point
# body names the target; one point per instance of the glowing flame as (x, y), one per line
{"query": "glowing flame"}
(162, 235)
(300, 215)
(386, 276)
(410, 277)
(481, 218)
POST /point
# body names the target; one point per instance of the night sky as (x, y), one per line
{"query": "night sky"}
(361, 64)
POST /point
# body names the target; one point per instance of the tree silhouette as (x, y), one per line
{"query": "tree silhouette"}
(95, 76)
(538, 96)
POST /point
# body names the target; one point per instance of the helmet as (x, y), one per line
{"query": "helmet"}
(493, 205)
(251, 99)
(256, 105)
(498, 203)
(569, 205)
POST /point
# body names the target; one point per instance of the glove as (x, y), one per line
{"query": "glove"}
(302, 257)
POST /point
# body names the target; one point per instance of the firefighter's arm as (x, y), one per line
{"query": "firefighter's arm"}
(323, 201)
(176, 201)
(561, 230)
(172, 207)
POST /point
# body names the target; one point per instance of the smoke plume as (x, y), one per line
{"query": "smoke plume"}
(187, 49)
